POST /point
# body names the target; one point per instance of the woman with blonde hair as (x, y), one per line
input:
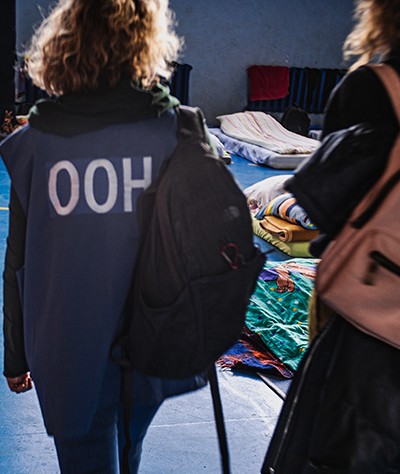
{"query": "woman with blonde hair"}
(76, 171)
(361, 97)
(342, 412)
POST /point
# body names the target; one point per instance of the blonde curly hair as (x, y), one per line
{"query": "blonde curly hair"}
(376, 32)
(85, 43)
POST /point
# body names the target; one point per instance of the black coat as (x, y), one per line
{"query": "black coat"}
(342, 412)
(360, 98)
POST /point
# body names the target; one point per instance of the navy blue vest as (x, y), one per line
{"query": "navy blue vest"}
(79, 196)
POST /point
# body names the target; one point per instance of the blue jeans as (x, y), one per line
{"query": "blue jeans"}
(99, 451)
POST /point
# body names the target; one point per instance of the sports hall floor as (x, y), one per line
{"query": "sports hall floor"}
(182, 438)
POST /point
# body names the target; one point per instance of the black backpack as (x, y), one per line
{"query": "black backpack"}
(296, 120)
(196, 270)
(197, 264)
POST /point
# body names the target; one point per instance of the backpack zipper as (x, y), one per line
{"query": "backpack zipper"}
(385, 262)
(292, 408)
(379, 260)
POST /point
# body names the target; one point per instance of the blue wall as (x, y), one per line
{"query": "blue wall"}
(224, 37)
(29, 14)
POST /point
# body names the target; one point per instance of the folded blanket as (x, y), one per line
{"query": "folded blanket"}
(286, 231)
(268, 82)
(286, 207)
(294, 249)
(263, 130)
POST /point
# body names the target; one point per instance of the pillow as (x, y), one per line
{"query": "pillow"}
(261, 193)
(286, 207)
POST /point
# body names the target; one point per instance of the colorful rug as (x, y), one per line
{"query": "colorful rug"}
(250, 354)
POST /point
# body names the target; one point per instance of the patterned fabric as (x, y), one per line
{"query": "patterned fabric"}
(251, 354)
(286, 207)
(262, 129)
(278, 309)
(10, 123)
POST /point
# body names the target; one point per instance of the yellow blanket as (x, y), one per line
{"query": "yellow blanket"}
(294, 249)
(287, 231)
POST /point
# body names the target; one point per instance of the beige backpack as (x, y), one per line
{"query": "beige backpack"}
(359, 274)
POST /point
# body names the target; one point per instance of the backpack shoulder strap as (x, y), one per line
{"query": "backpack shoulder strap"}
(391, 81)
(191, 122)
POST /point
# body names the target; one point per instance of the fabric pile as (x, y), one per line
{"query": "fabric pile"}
(11, 123)
(276, 334)
(278, 218)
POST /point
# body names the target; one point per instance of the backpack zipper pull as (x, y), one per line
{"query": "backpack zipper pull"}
(371, 270)
(235, 260)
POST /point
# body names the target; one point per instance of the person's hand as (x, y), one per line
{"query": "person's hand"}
(20, 384)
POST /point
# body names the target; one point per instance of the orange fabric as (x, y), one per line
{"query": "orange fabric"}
(287, 231)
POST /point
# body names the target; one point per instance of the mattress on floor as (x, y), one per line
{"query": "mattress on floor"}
(257, 154)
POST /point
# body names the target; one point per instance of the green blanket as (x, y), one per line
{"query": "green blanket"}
(278, 309)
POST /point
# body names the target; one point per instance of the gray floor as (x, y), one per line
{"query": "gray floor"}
(182, 438)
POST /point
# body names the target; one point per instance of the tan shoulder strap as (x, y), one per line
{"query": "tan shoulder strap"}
(391, 81)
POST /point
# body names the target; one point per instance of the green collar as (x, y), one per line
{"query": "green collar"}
(73, 114)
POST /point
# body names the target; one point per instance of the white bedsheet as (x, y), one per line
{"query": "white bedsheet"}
(257, 154)
(261, 129)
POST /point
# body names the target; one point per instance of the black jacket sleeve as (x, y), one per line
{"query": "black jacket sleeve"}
(14, 353)
(359, 98)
